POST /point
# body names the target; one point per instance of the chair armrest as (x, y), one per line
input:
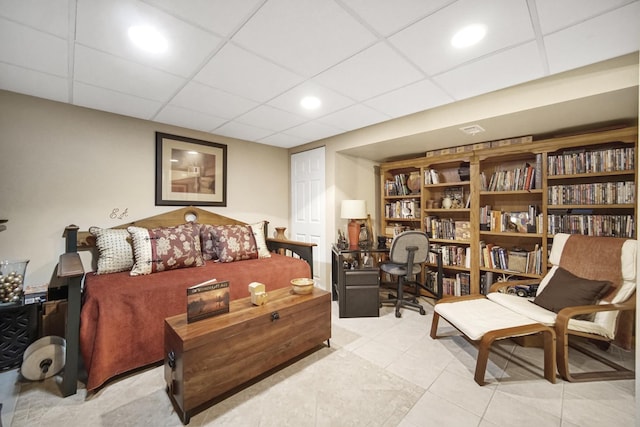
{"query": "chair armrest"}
(564, 315)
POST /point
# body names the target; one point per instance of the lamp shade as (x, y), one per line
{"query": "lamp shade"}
(353, 209)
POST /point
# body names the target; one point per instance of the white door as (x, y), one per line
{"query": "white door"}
(307, 206)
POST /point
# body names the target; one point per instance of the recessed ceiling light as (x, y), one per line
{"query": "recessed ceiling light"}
(148, 38)
(469, 35)
(310, 102)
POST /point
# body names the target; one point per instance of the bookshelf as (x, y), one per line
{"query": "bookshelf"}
(517, 196)
(401, 198)
(446, 196)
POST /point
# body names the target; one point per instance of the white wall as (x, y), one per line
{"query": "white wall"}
(62, 165)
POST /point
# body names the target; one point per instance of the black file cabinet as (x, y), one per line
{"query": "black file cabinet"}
(355, 281)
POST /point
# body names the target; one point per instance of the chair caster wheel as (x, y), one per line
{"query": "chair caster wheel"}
(422, 312)
(398, 314)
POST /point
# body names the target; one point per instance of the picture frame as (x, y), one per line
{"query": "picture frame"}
(190, 172)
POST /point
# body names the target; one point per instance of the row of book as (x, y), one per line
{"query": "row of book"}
(431, 176)
(510, 177)
(402, 209)
(456, 285)
(452, 255)
(447, 228)
(582, 161)
(397, 186)
(599, 193)
(591, 225)
(516, 259)
(513, 179)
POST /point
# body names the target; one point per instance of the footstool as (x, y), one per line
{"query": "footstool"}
(484, 321)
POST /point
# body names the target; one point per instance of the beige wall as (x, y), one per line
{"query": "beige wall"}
(62, 165)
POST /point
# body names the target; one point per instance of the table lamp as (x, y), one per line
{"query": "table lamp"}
(352, 210)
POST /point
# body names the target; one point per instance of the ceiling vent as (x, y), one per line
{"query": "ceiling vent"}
(472, 129)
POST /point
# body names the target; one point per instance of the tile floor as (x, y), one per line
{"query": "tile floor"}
(380, 371)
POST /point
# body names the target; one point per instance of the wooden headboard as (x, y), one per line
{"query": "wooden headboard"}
(83, 240)
(86, 240)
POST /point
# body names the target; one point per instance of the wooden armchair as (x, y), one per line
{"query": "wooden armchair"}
(611, 319)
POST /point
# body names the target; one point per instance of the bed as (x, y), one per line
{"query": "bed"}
(122, 315)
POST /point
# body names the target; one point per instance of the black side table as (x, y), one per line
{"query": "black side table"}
(18, 329)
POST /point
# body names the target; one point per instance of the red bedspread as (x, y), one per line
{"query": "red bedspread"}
(122, 317)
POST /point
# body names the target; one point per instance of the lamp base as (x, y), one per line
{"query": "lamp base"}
(354, 234)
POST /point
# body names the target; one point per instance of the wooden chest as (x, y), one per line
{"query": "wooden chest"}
(207, 359)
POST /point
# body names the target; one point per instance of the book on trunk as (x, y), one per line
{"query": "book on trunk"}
(207, 299)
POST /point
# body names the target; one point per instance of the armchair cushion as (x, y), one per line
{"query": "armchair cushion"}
(565, 289)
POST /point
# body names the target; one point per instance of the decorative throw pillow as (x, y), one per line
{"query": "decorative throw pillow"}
(261, 243)
(567, 290)
(115, 253)
(167, 248)
(208, 242)
(234, 243)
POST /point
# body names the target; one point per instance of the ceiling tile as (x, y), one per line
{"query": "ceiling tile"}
(312, 131)
(331, 101)
(104, 26)
(32, 49)
(267, 117)
(354, 117)
(428, 42)
(219, 16)
(555, 15)
(34, 83)
(374, 71)
(415, 97)
(242, 131)
(283, 140)
(387, 17)
(51, 16)
(613, 34)
(507, 68)
(305, 36)
(189, 119)
(199, 97)
(235, 70)
(114, 102)
(103, 70)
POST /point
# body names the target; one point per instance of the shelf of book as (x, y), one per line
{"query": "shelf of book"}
(509, 197)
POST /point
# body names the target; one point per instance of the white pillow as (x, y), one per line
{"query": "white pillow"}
(261, 243)
(115, 252)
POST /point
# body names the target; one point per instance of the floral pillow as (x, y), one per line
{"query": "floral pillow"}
(234, 242)
(168, 248)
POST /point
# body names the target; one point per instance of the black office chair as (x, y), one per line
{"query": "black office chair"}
(409, 250)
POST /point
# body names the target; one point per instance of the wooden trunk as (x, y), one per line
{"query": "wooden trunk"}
(207, 359)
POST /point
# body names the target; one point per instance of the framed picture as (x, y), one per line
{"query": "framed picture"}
(190, 172)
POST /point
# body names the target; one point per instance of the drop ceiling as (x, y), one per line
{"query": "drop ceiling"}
(240, 68)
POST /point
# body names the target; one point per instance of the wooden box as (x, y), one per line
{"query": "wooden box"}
(208, 360)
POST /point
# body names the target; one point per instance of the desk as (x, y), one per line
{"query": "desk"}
(355, 279)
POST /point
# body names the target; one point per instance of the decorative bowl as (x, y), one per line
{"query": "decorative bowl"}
(302, 285)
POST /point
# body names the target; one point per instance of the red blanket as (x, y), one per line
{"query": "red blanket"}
(122, 317)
